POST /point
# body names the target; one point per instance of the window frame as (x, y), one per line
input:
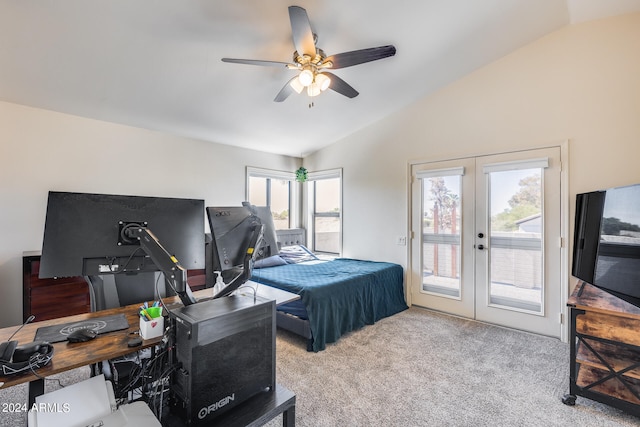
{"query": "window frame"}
(294, 190)
(311, 215)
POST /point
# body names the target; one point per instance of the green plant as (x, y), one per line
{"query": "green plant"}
(301, 174)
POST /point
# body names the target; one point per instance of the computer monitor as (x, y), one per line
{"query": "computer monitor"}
(268, 245)
(86, 234)
(234, 231)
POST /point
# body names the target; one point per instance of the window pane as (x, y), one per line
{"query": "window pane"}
(258, 191)
(515, 266)
(441, 223)
(327, 237)
(280, 203)
(274, 193)
(328, 195)
(326, 222)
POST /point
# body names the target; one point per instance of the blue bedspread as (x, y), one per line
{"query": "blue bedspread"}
(340, 295)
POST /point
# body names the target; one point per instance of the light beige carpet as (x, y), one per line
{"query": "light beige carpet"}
(420, 368)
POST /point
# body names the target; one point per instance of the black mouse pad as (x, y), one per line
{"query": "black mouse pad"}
(101, 325)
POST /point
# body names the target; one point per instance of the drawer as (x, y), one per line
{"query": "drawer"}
(607, 326)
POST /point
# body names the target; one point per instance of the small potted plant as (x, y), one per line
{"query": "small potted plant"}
(301, 174)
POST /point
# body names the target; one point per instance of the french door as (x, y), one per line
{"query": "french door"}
(486, 239)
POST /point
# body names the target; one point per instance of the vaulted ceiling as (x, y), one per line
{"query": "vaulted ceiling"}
(156, 64)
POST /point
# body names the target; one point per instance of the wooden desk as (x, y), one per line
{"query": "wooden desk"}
(605, 349)
(67, 356)
(108, 346)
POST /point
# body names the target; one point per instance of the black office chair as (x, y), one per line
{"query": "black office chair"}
(118, 290)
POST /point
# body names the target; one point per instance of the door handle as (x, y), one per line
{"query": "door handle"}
(480, 247)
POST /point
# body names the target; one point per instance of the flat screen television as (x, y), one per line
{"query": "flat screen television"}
(83, 234)
(606, 249)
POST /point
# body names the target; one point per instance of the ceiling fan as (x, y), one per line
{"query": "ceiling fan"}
(312, 64)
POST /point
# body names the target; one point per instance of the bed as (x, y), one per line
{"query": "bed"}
(336, 296)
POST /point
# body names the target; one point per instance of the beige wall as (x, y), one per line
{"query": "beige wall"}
(581, 84)
(42, 150)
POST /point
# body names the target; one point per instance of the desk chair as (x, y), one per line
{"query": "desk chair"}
(118, 290)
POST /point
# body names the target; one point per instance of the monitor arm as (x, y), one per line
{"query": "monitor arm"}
(167, 263)
(247, 265)
(256, 235)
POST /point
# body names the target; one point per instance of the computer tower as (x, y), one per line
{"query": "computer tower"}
(225, 350)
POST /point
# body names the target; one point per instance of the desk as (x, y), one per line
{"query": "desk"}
(108, 346)
(67, 356)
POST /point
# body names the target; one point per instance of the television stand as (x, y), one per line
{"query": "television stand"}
(605, 349)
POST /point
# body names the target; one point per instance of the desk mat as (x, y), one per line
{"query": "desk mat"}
(101, 325)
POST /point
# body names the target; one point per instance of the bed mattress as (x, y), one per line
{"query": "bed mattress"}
(339, 296)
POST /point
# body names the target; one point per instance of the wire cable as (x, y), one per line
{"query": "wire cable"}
(255, 295)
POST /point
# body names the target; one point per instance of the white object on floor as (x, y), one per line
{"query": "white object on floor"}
(86, 404)
(136, 414)
(73, 405)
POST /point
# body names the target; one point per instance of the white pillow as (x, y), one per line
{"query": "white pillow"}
(271, 261)
(296, 253)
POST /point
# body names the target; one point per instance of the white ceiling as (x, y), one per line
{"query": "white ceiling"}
(156, 64)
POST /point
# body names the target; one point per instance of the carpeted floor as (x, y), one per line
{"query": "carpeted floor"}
(420, 368)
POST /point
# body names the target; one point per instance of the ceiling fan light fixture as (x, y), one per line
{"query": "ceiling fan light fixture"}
(313, 89)
(305, 77)
(296, 85)
(322, 81)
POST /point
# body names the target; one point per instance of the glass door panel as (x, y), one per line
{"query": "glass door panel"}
(443, 212)
(441, 239)
(515, 239)
(518, 259)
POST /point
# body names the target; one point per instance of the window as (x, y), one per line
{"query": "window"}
(325, 207)
(276, 190)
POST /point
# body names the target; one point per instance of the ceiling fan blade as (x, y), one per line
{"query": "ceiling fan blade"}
(287, 90)
(340, 86)
(301, 31)
(355, 57)
(260, 62)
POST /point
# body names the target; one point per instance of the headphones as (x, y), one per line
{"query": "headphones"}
(15, 359)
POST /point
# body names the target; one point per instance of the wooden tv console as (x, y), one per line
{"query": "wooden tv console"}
(605, 349)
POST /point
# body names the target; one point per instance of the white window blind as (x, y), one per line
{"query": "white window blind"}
(541, 163)
(459, 171)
